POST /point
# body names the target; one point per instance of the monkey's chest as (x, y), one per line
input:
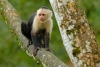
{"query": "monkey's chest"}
(41, 31)
(40, 27)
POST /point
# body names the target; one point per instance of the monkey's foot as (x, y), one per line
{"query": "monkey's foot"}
(29, 43)
(35, 50)
(48, 49)
(41, 45)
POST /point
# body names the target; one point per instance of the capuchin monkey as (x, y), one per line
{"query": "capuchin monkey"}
(38, 29)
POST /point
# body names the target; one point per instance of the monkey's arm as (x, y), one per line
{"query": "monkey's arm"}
(46, 41)
(35, 42)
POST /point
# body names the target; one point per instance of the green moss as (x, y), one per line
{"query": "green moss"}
(74, 44)
(76, 51)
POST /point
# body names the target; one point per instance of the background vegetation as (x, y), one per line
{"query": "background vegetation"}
(11, 55)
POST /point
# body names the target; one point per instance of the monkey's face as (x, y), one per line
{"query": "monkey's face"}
(44, 14)
(42, 17)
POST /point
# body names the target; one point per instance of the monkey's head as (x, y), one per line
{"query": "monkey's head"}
(44, 14)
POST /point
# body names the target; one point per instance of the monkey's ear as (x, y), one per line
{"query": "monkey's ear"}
(50, 13)
(38, 11)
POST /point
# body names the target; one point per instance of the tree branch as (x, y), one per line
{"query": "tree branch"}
(14, 22)
(78, 37)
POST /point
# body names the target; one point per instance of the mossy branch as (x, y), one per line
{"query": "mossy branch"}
(77, 35)
(13, 20)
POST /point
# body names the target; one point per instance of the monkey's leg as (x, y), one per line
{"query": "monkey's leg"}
(40, 40)
(35, 42)
(25, 29)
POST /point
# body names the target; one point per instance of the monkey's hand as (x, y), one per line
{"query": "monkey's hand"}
(35, 50)
(29, 43)
(41, 45)
(48, 49)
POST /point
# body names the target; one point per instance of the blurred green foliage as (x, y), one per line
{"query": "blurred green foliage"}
(11, 55)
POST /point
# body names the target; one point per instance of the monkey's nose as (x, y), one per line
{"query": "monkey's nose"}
(41, 19)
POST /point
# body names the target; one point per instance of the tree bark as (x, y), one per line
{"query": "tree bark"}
(78, 37)
(13, 20)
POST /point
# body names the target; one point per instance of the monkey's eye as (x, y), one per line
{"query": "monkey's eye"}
(39, 14)
(43, 14)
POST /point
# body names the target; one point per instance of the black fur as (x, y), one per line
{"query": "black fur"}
(44, 7)
(26, 30)
(30, 21)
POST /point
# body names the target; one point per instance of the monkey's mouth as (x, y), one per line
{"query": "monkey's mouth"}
(41, 21)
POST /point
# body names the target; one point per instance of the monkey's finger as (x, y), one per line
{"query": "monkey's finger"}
(47, 49)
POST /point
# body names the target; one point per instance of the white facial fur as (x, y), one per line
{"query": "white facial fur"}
(46, 24)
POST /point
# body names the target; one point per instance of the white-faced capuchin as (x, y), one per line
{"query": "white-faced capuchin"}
(38, 29)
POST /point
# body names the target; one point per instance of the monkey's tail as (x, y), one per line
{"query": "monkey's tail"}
(25, 30)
